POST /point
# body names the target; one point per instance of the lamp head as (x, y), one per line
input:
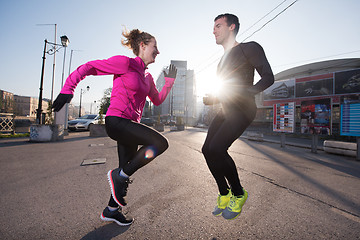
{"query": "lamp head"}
(64, 41)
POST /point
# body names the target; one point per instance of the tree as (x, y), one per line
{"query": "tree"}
(105, 103)
(49, 119)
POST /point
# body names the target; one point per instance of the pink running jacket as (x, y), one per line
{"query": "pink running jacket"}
(131, 85)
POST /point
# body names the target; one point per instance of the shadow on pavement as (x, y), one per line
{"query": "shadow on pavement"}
(14, 143)
(26, 141)
(351, 169)
(306, 178)
(73, 139)
(106, 232)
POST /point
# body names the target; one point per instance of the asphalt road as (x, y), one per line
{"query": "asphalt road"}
(293, 193)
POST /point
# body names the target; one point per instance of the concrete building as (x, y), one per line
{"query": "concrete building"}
(181, 101)
(325, 84)
(26, 106)
(73, 111)
(20, 105)
(6, 102)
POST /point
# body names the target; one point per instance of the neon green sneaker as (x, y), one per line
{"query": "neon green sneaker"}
(222, 202)
(233, 210)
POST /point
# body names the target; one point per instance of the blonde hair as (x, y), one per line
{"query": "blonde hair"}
(133, 39)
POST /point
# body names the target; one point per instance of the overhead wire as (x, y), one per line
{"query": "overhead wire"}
(271, 20)
(314, 59)
(217, 59)
(330, 65)
(242, 33)
(215, 53)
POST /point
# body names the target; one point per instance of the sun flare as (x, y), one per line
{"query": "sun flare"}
(208, 85)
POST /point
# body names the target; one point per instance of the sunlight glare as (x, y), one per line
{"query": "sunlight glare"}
(208, 85)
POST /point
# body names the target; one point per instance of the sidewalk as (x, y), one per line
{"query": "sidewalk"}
(290, 140)
(301, 142)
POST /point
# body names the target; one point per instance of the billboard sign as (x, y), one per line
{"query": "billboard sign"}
(314, 88)
(280, 90)
(316, 116)
(350, 116)
(347, 82)
(284, 117)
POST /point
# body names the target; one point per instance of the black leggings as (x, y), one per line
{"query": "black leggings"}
(226, 127)
(129, 135)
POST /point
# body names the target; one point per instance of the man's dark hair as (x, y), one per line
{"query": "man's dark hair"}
(230, 19)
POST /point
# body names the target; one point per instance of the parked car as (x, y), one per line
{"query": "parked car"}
(171, 123)
(147, 121)
(83, 123)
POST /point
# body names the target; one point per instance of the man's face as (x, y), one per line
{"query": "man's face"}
(222, 31)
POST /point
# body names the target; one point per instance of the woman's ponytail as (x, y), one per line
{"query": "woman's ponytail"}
(134, 38)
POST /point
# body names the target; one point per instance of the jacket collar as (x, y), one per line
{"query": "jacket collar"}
(140, 65)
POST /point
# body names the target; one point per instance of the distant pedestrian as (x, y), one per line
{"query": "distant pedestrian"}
(131, 85)
(237, 97)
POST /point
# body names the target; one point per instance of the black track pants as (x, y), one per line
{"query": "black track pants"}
(226, 127)
(129, 135)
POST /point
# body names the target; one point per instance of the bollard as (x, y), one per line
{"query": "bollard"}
(358, 149)
(314, 143)
(282, 140)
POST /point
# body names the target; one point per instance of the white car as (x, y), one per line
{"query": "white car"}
(84, 122)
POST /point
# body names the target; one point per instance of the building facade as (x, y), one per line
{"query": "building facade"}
(27, 106)
(316, 90)
(7, 102)
(181, 101)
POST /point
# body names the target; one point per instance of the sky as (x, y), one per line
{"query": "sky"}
(308, 31)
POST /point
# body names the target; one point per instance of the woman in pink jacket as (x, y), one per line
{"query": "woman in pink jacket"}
(131, 85)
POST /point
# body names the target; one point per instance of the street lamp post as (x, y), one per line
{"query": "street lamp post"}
(71, 54)
(62, 116)
(39, 110)
(81, 92)
(53, 71)
(64, 43)
(91, 107)
(62, 77)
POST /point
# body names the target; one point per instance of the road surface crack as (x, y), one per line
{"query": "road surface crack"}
(344, 212)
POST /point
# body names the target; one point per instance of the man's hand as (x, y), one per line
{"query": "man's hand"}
(172, 72)
(61, 100)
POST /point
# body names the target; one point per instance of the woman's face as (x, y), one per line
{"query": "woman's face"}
(148, 52)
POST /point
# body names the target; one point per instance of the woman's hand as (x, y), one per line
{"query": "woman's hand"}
(61, 100)
(172, 72)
